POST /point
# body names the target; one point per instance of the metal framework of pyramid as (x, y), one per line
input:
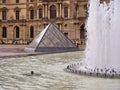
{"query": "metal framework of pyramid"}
(51, 39)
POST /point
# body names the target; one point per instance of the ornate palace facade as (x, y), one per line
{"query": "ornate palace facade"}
(22, 20)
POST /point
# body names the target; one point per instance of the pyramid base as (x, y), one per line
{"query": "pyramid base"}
(57, 49)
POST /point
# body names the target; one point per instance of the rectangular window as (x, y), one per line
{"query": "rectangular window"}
(31, 14)
(40, 13)
(31, 33)
(52, 11)
(4, 15)
(65, 12)
(17, 15)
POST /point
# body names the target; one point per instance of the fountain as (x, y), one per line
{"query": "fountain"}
(102, 46)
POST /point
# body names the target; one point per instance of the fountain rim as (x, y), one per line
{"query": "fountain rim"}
(72, 69)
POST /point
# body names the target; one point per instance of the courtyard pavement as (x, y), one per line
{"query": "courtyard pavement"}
(17, 51)
(12, 50)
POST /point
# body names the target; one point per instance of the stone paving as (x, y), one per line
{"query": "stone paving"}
(12, 50)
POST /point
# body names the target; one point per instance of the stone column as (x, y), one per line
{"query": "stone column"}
(60, 9)
(0, 32)
(27, 11)
(43, 10)
(13, 33)
(57, 11)
(75, 9)
(46, 10)
(75, 29)
(35, 10)
(27, 33)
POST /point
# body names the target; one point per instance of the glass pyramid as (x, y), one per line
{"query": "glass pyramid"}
(51, 39)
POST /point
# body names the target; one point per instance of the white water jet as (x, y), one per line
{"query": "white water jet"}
(103, 35)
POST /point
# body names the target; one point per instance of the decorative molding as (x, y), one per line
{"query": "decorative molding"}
(17, 9)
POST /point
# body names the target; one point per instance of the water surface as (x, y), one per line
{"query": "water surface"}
(49, 74)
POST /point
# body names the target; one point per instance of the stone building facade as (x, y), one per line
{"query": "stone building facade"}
(22, 20)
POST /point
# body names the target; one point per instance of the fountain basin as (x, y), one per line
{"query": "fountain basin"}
(77, 69)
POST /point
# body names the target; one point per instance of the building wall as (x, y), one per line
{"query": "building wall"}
(70, 25)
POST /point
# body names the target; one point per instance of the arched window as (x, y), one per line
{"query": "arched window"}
(65, 12)
(17, 32)
(40, 12)
(52, 11)
(4, 32)
(31, 14)
(31, 32)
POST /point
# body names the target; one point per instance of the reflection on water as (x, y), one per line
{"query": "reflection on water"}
(49, 74)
